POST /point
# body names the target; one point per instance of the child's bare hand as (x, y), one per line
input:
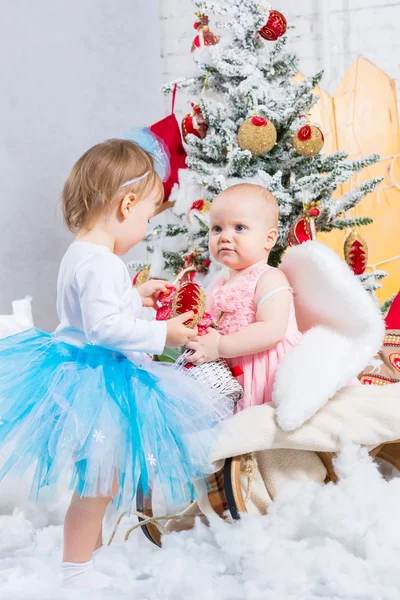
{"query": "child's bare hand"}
(150, 291)
(206, 347)
(177, 333)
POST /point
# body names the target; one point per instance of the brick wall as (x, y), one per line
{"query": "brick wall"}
(328, 34)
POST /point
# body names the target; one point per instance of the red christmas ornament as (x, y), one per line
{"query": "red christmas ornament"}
(164, 313)
(300, 232)
(205, 36)
(193, 123)
(275, 27)
(197, 205)
(167, 297)
(200, 206)
(356, 252)
(190, 297)
(168, 130)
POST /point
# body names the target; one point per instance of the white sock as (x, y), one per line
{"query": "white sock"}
(83, 575)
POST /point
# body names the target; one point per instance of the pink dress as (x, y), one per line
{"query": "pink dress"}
(236, 301)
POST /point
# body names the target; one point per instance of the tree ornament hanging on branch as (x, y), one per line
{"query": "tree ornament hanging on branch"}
(205, 37)
(304, 229)
(201, 207)
(275, 27)
(308, 140)
(356, 252)
(257, 135)
(193, 123)
(197, 261)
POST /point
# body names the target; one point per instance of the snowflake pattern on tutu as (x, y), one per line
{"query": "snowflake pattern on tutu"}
(96, 413)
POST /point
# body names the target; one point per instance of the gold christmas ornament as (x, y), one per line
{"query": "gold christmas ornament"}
(356, 252)
(142, 276)
(257, 135)
(308, 140)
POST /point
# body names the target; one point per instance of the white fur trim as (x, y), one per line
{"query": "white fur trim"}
(344, 330)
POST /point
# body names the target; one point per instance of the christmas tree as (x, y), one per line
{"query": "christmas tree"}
(249, 123)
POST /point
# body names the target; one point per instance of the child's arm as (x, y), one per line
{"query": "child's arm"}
(108, 313)
(267, 332)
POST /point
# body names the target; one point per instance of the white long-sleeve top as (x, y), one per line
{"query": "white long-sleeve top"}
(96, 304)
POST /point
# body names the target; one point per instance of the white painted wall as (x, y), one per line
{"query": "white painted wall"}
(328, 34)
(72, 74)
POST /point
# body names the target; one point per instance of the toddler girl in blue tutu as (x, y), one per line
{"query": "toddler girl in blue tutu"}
(88, 397)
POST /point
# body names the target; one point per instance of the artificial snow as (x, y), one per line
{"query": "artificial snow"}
(334, 541)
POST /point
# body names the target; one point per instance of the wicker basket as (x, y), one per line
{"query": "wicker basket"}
(215, 374)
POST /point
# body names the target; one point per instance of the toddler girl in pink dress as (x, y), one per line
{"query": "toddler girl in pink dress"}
(253, 304)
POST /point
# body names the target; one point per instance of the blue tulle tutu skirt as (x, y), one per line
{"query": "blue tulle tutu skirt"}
(95, 414)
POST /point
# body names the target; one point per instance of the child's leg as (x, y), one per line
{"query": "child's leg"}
(82, 532)
(82, 528)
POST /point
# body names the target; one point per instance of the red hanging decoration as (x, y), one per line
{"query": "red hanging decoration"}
(356, 252)
(168, 130)
(205, 37)
(275, 27)
(193, 123)
(300, 232)
(201, 207)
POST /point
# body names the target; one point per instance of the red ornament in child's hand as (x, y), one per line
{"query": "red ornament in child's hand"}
(206, 321)
(190, 297)
(167, 297)
(164, 313)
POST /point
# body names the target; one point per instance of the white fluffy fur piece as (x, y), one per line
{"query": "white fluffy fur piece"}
(343, 330)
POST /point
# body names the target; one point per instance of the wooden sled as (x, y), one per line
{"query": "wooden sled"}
(226, 493)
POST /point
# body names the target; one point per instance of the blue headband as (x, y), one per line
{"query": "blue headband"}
(149, 141)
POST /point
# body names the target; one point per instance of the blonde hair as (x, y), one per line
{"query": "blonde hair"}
(96, 178)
